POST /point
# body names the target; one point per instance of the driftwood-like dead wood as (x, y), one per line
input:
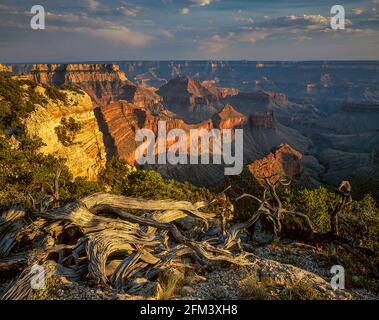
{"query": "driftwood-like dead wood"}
(11, 222)
(112, 245)
(204, 249)
(129, 203)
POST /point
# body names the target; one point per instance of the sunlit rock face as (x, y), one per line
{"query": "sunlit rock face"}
(283, 163)
(229, 118)
(4, 68)
(104, 83)
(86, 156)
(189, 99)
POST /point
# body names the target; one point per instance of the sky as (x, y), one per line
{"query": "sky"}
(114, 30)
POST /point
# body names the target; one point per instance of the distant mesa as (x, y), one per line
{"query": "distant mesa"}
(221, 92)
(229, 118)
(4, 68)
(189, 99)
(103, 82)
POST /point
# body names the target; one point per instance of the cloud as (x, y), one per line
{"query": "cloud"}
(119, 35)
(202, 2)
(128, 10)
(96, 27)
(218, 43)
(358, 11)
(91, 4)
(185, 11)
(195, 3)
(122, 35)
(244, 20)
(167, 34)
(253, 36)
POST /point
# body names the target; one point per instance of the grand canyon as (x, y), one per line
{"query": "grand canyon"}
(306, 126)
(327, 111)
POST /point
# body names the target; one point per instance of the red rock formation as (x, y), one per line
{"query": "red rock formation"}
(123, 119)
(4, 68)
(103, 82)
(228, 118)
(284, 162)
(189, 99)
(184, 90)
(59, 74)
(219, 92)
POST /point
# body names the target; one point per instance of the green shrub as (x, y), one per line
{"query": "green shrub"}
(252, 288)
(79, 188)
(67, 131)
(316, 203)
(115, 175)
(151, 185)
(358, 222)
(72, 88)
(300, 291)
(16, 102)
(55, 94)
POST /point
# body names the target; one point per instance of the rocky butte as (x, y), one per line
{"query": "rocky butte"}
(4, 68)
(189, 99)
(284, 162)
(85, 156)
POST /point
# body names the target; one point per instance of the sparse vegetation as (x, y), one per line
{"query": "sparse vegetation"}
(17, 100)
(252, 288)
(300, 291)
(170, 284)
(359, 221)
(67, 131)
(55, 94)
(72, 88)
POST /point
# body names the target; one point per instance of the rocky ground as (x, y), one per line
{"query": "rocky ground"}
(292, 271)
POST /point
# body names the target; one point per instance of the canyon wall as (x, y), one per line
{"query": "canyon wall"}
(4, 68)
(85, 157)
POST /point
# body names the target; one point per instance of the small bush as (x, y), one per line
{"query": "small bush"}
(315, 203)
(300, 291)
(55, 94)
(170, 284)
(115, 175)
(252, 288)
(72, 88)
(67, 131)
(358, 222)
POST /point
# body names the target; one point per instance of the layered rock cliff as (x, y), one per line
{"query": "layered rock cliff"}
(104, 83)
(123, 119)
(59, 74)
(189, 99)
(229, 118)
(85, 156)
(4, 68)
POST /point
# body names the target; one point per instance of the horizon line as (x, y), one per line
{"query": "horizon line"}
(185, 60)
